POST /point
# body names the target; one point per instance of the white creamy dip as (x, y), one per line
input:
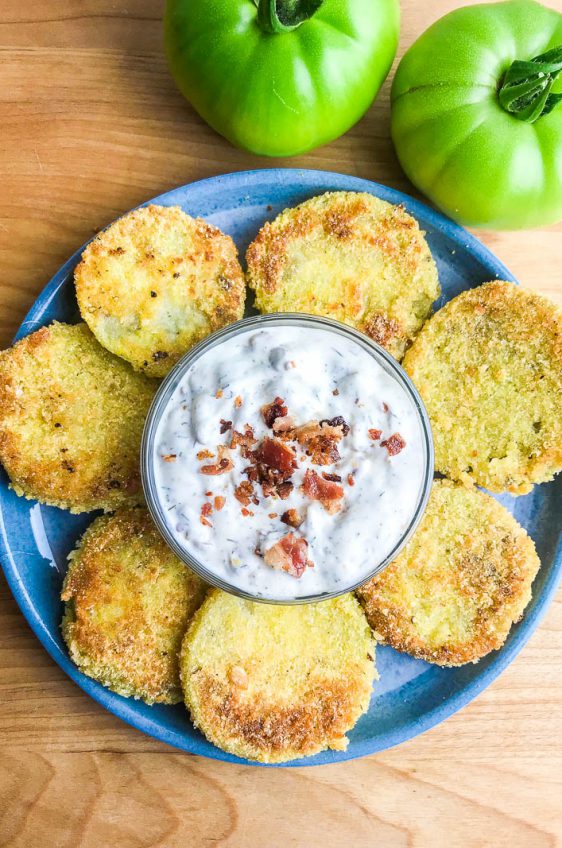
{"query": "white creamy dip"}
(319, 375)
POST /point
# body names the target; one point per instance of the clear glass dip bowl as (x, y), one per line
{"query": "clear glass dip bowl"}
(254, 323)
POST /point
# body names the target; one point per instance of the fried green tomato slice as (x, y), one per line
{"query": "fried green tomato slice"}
(71, 420)
(348, 256)
(457, 587)
(489, 369)
(128, 603)
(274, 683)
(155, 283)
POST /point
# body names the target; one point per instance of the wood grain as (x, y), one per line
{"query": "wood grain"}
(91, 125)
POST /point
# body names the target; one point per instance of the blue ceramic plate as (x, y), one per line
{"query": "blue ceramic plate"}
(411, 696)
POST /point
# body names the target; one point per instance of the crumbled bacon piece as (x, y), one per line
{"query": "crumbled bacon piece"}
(273, 410)
(338, 421)
(223, 465)
(219, 502)
(285, 489)
(283, 425)
(206, 510)
(319, 438)
(289, 554)
(208, 494)
(169, 457)
(238, 401)
(328, 493)
(385, 407)
(205, 454)
(350, 480)
(272, 515)
(394, 444)
(336, 392)
(334, 478)
(245, 512)
(225, 425)
(375, 434)
(292, 518)
(275, 454)
(243, 440)
(243, 492)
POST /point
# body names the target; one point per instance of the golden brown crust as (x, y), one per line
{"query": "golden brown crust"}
(128, 603)
(348, 256)
(453, 593)
(283, 681)
(489, 369)
(155, 283)
(71, 419)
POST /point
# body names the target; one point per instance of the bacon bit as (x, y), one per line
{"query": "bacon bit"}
(375, 434)
(169, 457)
(336, 392)
(243, 492)
(238, 401)
(292, 518)
(225, 425)
(394, 444)
(350, 480)
(255, 500)
(272, 515)
(385, 407)
(283, 425)
(218, 393)
(328, 493)
(273, 410)
(222, 466)
(285, 489)
(206, 510)
(209, 494)
(276, 455)
(219, 502)
(289, 554)
(334, 478)
(338, 421)
(243, 440)
(245, 512)
(205, 454)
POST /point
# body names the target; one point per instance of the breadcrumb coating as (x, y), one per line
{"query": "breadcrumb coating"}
(457, 587)
(489, 369)
(348, 256)
(128, 603)
(274, 683)
(155, 283)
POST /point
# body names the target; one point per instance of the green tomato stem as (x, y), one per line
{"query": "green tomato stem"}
(525, 90)
(277, 16)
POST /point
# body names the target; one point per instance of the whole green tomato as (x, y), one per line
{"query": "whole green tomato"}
(475, 117)
(279, 78)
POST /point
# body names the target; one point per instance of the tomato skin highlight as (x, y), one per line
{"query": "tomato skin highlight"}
(281, 93)
(473, 159)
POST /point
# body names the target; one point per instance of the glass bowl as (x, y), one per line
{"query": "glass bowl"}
(167, 388)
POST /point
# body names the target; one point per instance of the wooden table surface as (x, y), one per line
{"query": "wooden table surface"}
(91, 125)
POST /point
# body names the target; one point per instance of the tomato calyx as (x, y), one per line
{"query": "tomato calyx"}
(525, 90)
(277, 16)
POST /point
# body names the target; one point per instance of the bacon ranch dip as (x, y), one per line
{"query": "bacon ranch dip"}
(288, 461)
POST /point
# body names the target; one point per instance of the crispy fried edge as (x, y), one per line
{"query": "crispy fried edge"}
(105, 530)
(539, 315)
(101, 497)
(392, 628)
(125, 229)
(334, 211)
(262, 734)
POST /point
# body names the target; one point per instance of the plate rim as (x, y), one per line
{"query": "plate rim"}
(124, 708)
